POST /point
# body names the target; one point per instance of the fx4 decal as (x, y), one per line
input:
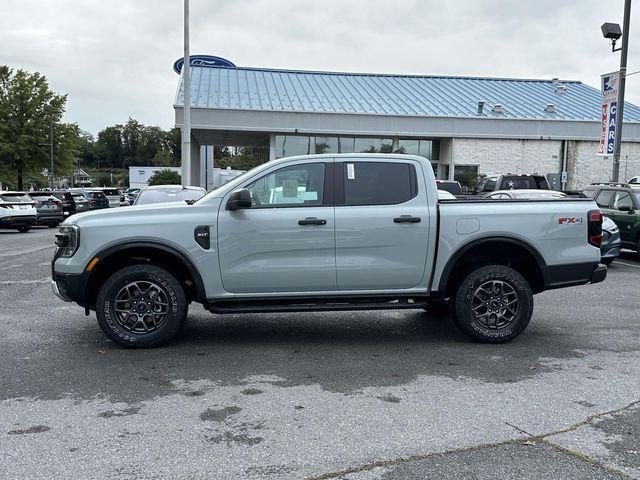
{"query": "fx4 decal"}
(569, 220)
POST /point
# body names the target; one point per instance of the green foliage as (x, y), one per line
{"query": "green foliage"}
(134, 143)
(27, 108)
(165, 177)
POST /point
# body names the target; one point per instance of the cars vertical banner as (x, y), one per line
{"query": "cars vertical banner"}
(608, 114)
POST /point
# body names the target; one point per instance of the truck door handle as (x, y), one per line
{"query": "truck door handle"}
(312, 221)
(407, 219)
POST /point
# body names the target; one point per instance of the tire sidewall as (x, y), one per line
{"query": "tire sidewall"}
(463, 313)
(105, 305)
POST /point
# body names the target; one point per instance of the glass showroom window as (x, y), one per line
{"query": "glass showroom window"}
(326, 145)
(373, 145)
(292, 145)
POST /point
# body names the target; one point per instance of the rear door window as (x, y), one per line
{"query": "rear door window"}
(378, 183)
(604, 198)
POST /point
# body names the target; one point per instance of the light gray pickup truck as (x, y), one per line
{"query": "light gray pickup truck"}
(326, 232)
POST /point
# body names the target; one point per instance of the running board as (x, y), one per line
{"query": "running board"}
(317, 304)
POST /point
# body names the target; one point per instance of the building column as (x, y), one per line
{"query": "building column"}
(195, 163)
(272, 147)
(206, 167)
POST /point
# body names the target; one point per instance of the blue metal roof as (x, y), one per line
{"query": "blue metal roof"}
(395, 95)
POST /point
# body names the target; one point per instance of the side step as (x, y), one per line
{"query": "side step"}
(317, 304)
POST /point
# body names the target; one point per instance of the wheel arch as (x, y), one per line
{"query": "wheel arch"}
(114, 257)
(495, 249)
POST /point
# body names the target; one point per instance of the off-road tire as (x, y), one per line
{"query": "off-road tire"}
(466, 295)
(108, 320)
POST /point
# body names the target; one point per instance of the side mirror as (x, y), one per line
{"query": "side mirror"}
(239, 199)
(625, 208)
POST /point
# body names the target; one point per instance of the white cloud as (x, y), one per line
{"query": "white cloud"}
(114, 58)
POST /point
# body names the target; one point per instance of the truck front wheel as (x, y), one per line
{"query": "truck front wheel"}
(493, 304)
(141, 306)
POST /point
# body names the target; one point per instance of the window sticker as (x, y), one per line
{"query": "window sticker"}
(290, 188)
(351, 171)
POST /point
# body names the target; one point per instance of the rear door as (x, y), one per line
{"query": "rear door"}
(628, 220)
(285, 241)
(382, 223)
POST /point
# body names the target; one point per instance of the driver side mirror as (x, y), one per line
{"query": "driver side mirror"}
(625, 208)
(239, 199)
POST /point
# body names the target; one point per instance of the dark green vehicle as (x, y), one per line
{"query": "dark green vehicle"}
(621, 203)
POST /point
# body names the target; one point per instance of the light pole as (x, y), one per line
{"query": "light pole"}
(51, 150)
(186, 110)
(612, 31)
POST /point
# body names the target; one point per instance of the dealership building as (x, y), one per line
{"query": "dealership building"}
(465, 126)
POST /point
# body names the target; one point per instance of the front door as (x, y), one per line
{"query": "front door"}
(284, 242)
(382, 224)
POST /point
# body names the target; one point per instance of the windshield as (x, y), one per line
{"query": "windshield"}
(147, 197)
(78, 197)
(111, 192)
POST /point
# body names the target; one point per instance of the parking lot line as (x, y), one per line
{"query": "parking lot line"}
(627, 264)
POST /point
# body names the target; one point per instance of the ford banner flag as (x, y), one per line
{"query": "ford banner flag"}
(608, 113)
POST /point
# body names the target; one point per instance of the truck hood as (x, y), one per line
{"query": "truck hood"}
(135, 214)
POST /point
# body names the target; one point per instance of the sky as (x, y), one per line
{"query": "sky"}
(114, 58)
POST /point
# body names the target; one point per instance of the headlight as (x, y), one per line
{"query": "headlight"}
(68, 240)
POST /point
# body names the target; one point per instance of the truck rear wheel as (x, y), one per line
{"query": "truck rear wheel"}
(493, 304)
(141, 306)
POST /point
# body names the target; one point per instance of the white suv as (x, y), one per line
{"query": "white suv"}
(17, 210)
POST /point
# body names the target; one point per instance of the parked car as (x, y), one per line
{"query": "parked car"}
(635, 179)
(81, 202)
(444, 195)
(325, 232)
(511, 182)
(115, 196)
(621, 203)
(17, 210)
(526, 195)
(131, 194)
(49, 209)
(65, 197)
(610, 246)
(95, 198)
(450, 186)
(169, 193)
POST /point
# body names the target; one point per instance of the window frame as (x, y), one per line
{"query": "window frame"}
(340, 177)
(328, 190)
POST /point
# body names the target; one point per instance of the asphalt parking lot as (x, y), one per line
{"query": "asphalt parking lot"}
(364, 395)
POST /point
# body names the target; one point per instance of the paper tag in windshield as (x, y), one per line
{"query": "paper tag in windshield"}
(351, 171)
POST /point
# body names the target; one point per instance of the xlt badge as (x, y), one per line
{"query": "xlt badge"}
(201, 236)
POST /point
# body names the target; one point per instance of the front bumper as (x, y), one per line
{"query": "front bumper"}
(57, 293)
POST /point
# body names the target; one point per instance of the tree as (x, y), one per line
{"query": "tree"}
(165, 177)
(28, 107)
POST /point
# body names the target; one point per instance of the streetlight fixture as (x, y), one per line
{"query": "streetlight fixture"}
(612, 31)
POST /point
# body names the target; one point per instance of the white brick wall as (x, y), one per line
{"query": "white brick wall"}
(589, 168)
(508, 156)
(544, 156)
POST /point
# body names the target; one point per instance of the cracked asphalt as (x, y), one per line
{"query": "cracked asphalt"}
(353, 395)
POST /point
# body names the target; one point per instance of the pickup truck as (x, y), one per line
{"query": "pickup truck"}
(325, 232)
